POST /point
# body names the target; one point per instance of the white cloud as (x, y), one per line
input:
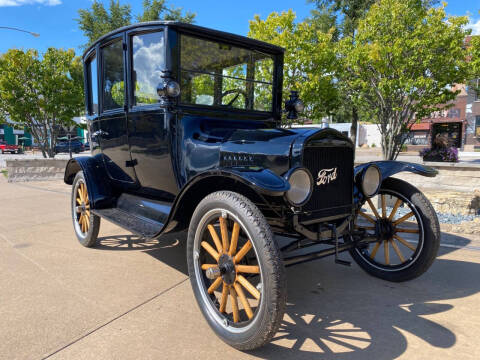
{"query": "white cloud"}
(29, 2)
(475, 26)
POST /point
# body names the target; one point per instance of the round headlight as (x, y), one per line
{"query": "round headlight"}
(371, 180)
(301, 183)
(173, 88)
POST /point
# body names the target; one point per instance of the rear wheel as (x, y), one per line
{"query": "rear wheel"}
(407, 229)
(236, 270)
(85, 223)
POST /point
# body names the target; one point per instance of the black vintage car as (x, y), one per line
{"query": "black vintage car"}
(186, 134)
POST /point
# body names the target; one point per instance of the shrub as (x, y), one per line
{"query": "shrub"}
(449, 154)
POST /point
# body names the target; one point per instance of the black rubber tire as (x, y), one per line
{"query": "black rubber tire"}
(431, 235)
(272, 308)
(90, 239)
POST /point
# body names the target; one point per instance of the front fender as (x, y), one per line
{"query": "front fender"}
(98, 183)
(390, 167)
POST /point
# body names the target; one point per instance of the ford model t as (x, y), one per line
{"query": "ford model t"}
(185, 134)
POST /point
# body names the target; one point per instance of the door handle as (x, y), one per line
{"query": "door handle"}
(100, 133)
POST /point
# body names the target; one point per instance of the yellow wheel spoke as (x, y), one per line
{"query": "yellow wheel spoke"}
(395, 208)
(215, 238)
(366, 216)
(384, 206)
(79, 201)
(84, 193)
(251, 269)
(374, 209)
(224, 231)
(243, 300)
(210, 250)
(403, 218)
(374, 250)
(411, 231)
(224, 298)
(215, 285)
(243, 251)
(233, 295)
(234, 240)
(405, 242)
(208, 266)
(397, 250)
(387, 252)
(82, 223)
(248, 286)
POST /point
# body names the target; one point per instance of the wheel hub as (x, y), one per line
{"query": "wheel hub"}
(227, 269)
(384, 229)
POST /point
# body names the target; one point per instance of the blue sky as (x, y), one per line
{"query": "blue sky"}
(54, 19)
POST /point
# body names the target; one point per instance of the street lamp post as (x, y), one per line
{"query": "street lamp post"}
(17, 29)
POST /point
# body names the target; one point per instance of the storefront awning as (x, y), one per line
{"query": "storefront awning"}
(420, 126)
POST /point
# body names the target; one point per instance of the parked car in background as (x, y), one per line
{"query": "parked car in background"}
(63, 147)
(12, 149)
(86, 146)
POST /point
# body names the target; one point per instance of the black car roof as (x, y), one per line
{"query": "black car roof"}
(196, 29)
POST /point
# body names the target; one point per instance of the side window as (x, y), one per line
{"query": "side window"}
(93, 85)
(148, 63)
(113, 84)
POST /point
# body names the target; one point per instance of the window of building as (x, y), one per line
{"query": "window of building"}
(113, 83)
(93, 85)
(148, 65)
(477, 126)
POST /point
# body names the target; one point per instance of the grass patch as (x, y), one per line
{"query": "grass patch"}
(4, 172)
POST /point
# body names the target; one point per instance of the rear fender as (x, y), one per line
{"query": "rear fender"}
(98, 184)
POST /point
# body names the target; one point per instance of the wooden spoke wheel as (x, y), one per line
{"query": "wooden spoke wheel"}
(236, 270)
(85, 223)
(407, 230)
(83, 208)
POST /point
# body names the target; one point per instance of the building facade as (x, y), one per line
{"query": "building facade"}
(459, 122)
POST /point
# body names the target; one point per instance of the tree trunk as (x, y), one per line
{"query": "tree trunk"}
(353, 128)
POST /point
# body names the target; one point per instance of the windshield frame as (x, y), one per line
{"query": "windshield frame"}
(277, 74)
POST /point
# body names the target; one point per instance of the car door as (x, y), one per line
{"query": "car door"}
(112, 133)
(149, 124)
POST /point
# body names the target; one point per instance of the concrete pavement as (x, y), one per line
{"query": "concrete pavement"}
(131, 299)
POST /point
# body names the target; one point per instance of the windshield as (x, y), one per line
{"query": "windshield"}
(218, 74)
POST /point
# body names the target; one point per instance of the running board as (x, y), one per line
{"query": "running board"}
(138, 215)
(136, 224)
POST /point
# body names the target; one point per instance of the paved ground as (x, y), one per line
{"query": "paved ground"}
(129, 299)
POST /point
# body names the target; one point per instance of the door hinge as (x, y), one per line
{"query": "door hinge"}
(131, 163)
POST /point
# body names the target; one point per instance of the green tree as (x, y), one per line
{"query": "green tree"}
(98, 20)
(343, 16)
(41, 93)
(404, 63)
(158, 10)
(309, 63)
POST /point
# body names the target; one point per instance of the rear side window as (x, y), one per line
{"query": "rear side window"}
(148, 64)
(93, 85)
(113, 83)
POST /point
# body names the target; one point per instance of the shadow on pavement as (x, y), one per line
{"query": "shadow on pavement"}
(339, 312)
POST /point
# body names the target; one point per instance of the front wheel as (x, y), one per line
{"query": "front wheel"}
(407, 230)
(236, 270)
(85, 223)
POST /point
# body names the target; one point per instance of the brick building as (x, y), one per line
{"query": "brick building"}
(460, 123)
